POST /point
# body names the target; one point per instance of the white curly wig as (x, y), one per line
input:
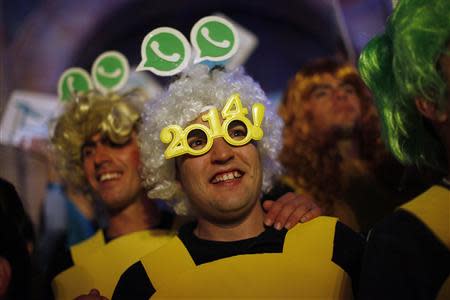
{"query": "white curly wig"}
(182, 102)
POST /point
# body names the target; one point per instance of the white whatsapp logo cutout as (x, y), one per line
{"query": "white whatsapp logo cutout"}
(165, 51)
(70, 82)
(172, 58)
(116, 73)
(120, 73)
(224, 43)
(205, 33)
(68, 77)
(158, 62)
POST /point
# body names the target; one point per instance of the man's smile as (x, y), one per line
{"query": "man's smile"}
(226, 176)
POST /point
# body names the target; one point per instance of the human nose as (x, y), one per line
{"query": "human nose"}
(221, 151)
(339, 93)
(101, 155)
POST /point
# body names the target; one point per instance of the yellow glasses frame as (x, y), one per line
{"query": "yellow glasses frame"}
(177, 138)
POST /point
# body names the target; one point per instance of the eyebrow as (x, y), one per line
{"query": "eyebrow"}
(320, 86)
(88, 144)
(93, 143)
(328, 86)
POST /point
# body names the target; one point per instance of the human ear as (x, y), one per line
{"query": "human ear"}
(430, 111)
(5, 276)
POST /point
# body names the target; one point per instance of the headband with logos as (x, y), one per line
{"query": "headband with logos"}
(165, 51)
(109, 73)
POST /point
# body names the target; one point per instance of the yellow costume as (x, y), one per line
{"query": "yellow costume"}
(433, 209)
(303, 270)
(99, 265)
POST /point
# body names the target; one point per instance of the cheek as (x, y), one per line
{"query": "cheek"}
(250, 155)
(356, 103)
(322, 113)
(134, 159)
(89, 173)
(188, 171)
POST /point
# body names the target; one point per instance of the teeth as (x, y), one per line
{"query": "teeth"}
(109, 176)
(226, 176)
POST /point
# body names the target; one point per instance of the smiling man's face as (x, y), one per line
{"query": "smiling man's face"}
(112, 170)
(223, 185)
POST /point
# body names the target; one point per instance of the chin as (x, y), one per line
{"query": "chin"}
(227, 218)
(233, 214)
(116, 208)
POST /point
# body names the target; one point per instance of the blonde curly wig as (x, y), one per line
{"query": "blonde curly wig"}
(113, 115)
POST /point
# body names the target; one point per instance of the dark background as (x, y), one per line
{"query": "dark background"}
(40, 39)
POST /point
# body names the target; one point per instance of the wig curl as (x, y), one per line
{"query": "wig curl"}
(400, 66)
(312, 161)
(182, 102)
(113, 115)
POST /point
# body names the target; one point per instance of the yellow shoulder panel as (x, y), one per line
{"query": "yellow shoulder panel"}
(433, 209)
(172, 258)
(105, 264)
(62, 284)
(87, 246)
(303, 270)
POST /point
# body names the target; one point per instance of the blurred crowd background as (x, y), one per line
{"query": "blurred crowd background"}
(39, 39)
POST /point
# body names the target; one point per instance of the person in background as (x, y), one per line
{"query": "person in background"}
(68, 214)
(408, 69)
(95, 145)
(16, 245)
(332, 147)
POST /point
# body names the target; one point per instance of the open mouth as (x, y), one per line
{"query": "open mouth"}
(226, 176)
(108, 176)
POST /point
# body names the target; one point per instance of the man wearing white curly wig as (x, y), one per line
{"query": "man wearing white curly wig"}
(211, 142)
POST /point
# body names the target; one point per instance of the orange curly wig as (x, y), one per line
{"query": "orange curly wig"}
(312, 161)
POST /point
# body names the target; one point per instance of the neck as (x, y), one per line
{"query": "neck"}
(249, 226)
(141, 215)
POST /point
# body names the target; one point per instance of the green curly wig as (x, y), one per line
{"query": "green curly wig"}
(401, 65)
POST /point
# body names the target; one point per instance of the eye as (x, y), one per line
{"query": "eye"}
(87, 152)
(349, 89)
(197, 139)
(108, 142)
(320, 93)
(237, 130)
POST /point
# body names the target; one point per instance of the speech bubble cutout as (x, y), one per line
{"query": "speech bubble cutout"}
(73, 80)
(165, 51)
(110, 71)
(214, 39)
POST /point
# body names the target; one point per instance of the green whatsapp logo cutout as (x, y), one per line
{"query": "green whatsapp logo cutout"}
(165, 51)
(72, 81)
(110, 71)
(214, 39)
